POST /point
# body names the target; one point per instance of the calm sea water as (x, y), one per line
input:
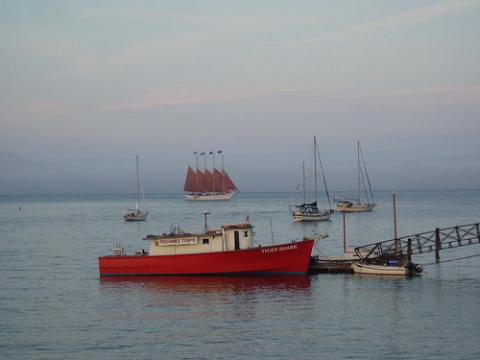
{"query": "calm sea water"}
(53, 305)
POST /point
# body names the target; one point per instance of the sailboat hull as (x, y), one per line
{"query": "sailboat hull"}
(135, 216)
(360, 268)
(210, 196)
(300, 217)
(356, 207)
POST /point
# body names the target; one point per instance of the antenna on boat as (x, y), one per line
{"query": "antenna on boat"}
(271, 229)
(205, 214)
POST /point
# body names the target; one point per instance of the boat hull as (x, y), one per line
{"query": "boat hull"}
(135, 216)
(284, 258)
(360, 268)
(210, 197)
(299, 217)
(358, 207)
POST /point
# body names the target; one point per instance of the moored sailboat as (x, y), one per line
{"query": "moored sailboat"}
(137, 214)
(208, 184)
(396, 263)
(357, 205)
(309, 212)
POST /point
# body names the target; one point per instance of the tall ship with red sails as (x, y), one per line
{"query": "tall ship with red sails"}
(214, 184)
(227, 250)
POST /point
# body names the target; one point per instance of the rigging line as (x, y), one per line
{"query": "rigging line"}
(324, 177)
(364, 184)
(366, 173)
(369, 225)
(450, 260)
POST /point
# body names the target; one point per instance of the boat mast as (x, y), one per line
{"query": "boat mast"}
(358, 170)
(213, 171)
(196, 173)
(303, 181)
(395, 230)
(315, 166)
(344, 234)
(223, 170)
(204, 160)
(138, 186)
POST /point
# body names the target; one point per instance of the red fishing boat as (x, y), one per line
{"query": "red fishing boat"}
(227, 250)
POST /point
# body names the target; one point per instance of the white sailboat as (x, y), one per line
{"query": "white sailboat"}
(357, 205)
(373, 269)
(309, 212)
(387, 267)
(137, 214)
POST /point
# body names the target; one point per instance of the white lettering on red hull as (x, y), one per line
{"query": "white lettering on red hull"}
(280, 248)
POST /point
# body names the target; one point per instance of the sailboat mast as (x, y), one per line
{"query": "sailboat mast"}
(315, 164)
(213, 170)
(223, 171)
(395, 229)
(138, 185)
(303, 181)
(196, 173)
(358, 170)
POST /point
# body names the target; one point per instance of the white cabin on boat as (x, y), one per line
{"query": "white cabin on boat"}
(226, 238)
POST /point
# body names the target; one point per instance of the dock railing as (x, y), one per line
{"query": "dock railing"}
(436, 240)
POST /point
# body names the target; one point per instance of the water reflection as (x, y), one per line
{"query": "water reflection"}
(209, 284)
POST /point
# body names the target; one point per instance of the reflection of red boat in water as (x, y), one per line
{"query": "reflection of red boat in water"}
(210, 284)
(227, 250)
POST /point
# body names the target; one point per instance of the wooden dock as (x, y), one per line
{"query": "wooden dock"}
(318, 265)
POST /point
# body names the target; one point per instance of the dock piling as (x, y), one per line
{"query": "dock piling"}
(437, 245)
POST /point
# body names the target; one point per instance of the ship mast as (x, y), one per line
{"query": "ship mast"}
(196, 173)
(138, 185)
(223, 170)
(303, 181)
(358, 169)
(315, 165)
(213, 171)
(204, 160)
(395, 229)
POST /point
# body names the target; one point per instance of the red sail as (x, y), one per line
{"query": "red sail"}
(190, 181)
(208, 181)
(218, 183)
(201, 181)
(228, 184)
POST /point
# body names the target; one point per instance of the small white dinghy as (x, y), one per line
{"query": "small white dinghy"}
(374, 269)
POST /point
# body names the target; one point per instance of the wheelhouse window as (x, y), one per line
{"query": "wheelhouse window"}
(205, 241)
(245, 234)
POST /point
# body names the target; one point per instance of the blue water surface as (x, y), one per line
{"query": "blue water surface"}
(54, 305)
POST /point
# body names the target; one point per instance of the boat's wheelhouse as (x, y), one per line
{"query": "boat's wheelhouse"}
(226, 238)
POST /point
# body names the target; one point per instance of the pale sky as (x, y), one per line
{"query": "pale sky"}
(85, 85)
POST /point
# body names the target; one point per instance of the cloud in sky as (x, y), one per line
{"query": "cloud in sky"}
(423, 13)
